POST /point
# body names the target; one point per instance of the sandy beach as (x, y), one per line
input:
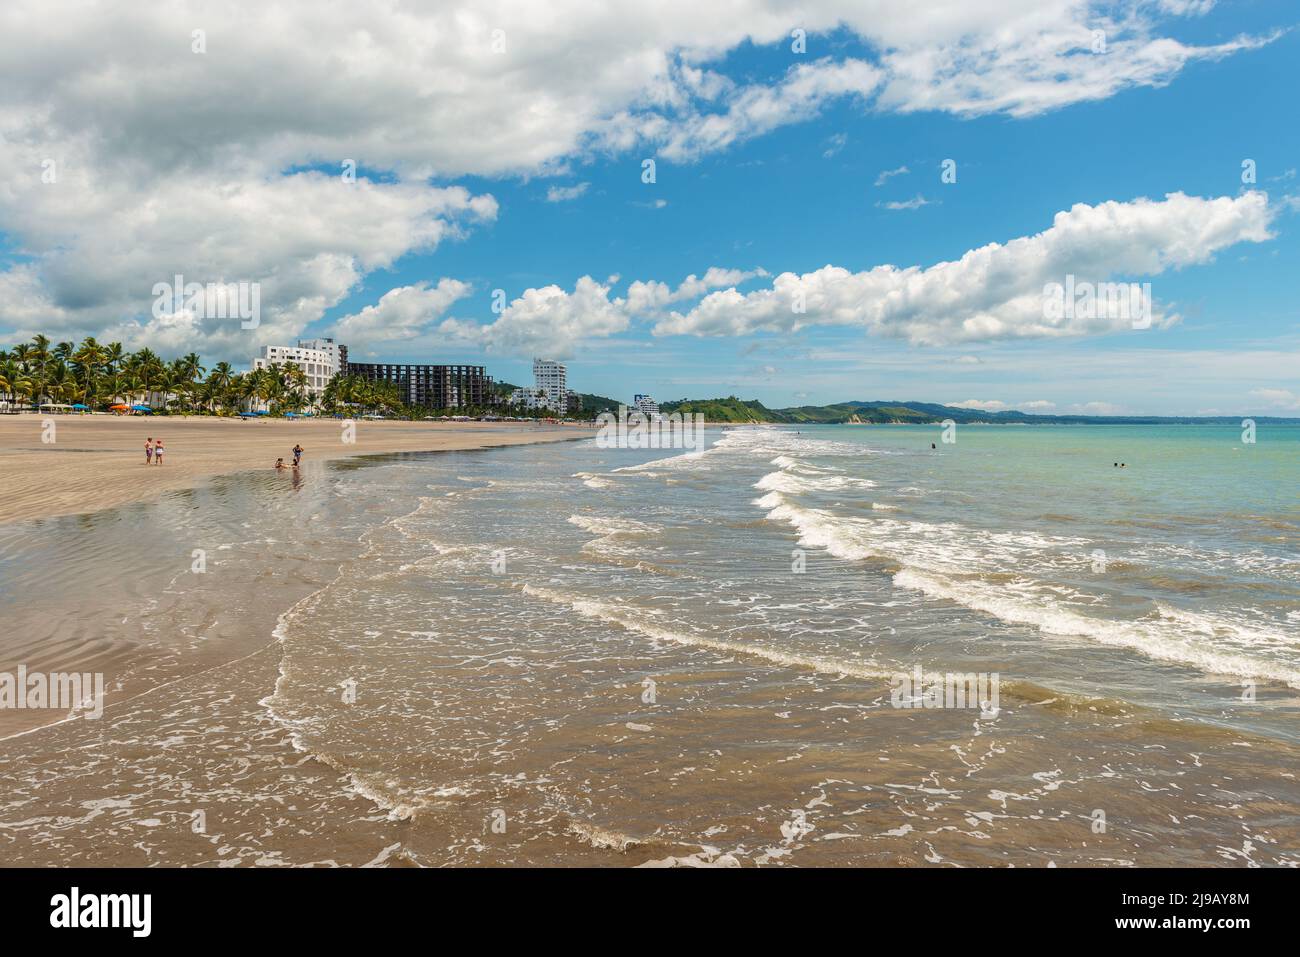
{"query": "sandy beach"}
(90, 463)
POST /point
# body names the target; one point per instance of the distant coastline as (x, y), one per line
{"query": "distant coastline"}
(734, 411)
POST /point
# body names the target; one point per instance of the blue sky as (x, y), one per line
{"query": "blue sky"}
(794, 188)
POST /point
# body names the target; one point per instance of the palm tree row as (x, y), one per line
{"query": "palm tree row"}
(102, 376)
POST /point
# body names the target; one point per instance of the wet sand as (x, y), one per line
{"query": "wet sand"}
(93, 462)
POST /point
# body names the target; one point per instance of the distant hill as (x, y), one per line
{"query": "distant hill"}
(729, 409)
(732, 409)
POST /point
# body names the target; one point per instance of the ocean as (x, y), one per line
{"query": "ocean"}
(569, 655)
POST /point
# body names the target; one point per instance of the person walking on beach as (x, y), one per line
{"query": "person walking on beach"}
(148, 450)
(297, 454)
(158, 452)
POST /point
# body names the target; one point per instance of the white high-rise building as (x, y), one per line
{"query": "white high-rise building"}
(646, 405)
(552, 378)
(319, 359)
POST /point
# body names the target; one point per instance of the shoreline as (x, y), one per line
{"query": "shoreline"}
(92, 463)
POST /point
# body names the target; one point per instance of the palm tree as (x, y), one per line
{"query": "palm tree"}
(87, 361)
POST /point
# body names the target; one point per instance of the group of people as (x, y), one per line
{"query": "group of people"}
(153, 451)
(297, 458)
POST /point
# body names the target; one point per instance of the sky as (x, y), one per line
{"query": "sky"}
(801, 203)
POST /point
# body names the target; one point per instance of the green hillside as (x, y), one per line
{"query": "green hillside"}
(729, 409)
(732, 409)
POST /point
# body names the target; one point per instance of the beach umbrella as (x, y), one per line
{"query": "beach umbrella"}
(141, 408)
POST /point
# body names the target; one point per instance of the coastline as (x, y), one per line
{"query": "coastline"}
(92, 463)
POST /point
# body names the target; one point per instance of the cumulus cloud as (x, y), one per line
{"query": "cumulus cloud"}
(209, 163)
(549, 320)
(306, 239)
(401, 313)
(555, 321)
(983, 405)
(996, 291)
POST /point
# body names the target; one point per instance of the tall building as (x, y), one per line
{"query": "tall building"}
(433, 387)
(646, 405)
(551, 377)
(319, 359)
(339, 352)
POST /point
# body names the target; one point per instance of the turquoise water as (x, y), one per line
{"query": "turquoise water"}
(1189, 553)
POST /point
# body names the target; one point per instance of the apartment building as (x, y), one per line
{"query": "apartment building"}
(646, 405)
(319, 359)
(552, 378)
(431, 386)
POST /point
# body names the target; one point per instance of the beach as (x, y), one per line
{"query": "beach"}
(93, 462)
(566, 655)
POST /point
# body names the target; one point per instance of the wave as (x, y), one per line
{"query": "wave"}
(610, 525)
(640, 621)
(976, 569)
(592, 480)
(793, 484)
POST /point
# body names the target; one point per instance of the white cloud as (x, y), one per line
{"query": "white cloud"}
(401, 313)
(554, 321)
(984, 405)
(887, 174)
(916, 202)
(996, 291)
(306, 239)
(1038, 405)
(175, 161)
(1278, 398)
(1097, 408)
(562, 194)
(834, 144)
(547, 321)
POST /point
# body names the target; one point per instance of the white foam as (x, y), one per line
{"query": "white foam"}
(944, 561)
(640, 620)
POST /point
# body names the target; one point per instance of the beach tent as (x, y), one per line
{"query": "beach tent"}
(248, 415)
(79, 405)
(141, 408)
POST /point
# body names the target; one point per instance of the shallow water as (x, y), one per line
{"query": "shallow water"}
(569, 655)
